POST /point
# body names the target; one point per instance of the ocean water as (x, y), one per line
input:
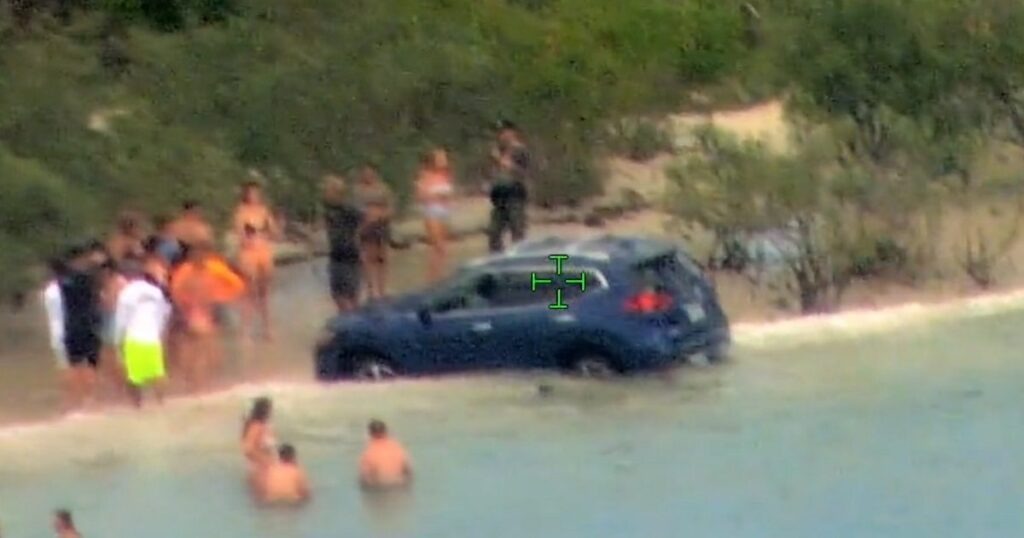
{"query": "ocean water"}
(903, 423)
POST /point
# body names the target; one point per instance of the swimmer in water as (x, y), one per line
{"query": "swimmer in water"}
(258, 440)
(64, 525)
(384, 464)
(284, 481)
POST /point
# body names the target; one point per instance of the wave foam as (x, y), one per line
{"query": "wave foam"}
(854, 323)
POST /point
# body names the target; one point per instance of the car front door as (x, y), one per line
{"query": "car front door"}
(455, 329)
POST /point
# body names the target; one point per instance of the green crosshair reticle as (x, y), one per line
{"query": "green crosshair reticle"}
(536, 281)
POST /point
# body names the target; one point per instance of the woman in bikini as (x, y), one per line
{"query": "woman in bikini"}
(434, 191)
(258, 440)
(255, 228)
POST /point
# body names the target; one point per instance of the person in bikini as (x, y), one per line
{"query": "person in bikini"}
(434, 191)
(285, 481)
(258, 440)
(255, 229)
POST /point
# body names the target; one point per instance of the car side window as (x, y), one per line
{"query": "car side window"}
(516, 287)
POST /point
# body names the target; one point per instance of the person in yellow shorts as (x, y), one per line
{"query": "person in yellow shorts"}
(140, 322)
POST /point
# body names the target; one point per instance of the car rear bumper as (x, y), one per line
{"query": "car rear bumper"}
(668, 349)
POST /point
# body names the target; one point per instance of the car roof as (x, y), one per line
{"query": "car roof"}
(595, 250)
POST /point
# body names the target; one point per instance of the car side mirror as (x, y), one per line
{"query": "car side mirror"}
(424, 315)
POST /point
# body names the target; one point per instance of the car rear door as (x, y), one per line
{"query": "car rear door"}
(665, 273)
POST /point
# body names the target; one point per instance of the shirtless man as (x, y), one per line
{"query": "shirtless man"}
(284, 481)
(64, 526)
(384, 464)
(191, 228)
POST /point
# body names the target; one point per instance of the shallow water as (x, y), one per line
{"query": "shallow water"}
(861, 425)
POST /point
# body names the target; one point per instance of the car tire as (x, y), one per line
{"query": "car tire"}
(372, 369)
(718, 353)
(593, 366)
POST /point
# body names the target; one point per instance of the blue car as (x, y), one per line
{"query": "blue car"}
(598, 307)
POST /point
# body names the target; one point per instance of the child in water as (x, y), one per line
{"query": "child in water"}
(284, 481)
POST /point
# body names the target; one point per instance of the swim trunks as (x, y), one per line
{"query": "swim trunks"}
(83, 353)
(143, 362)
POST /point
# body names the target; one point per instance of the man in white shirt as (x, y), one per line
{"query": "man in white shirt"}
(140, 322)
(53, 303)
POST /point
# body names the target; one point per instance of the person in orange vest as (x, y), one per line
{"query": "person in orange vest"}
(198, 285)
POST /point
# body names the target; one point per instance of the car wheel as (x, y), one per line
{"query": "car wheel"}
(719, 353)
(372, 368)
(593, 366)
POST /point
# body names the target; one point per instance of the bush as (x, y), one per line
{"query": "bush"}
(640, 140)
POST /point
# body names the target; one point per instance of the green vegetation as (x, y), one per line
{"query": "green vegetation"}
(140, 102)
(900, 108)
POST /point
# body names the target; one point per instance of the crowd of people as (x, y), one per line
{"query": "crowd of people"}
(147, 304)
(276, 478)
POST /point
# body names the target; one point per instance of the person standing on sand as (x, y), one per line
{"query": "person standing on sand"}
(54, 306)
(255, 229)
(258, 440)
(384, 464)
(111, 281)
(140, 328)
(164, 243)
(434, 192)
(191, 227)
(127, 239)
(64, 525)
(344, 223)
(285, 481)
(375, 200)
(198, 286)
(509, 192)
(80, 299)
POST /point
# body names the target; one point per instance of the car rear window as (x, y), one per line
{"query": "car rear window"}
(669, 271)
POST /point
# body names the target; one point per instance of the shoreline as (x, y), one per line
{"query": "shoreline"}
(781, 333)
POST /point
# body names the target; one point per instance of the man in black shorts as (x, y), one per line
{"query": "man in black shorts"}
(344, 222)
(80, 297)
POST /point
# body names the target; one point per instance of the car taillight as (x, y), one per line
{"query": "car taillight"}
(649, 302)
